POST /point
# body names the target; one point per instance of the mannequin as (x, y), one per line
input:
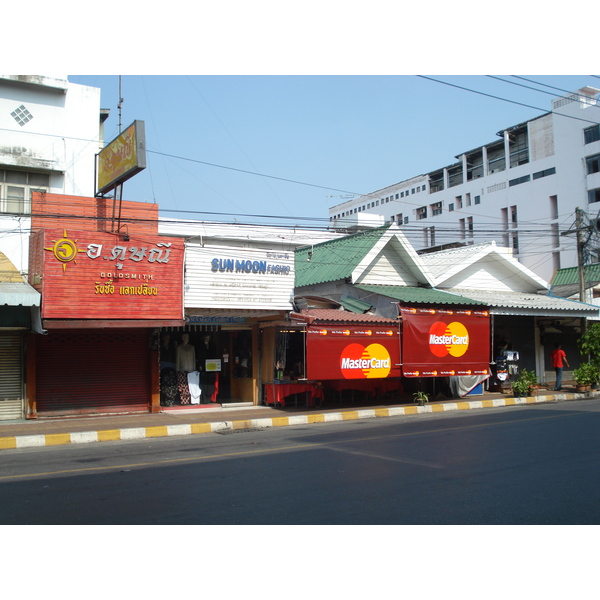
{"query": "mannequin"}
(206, 351)
(185, 363)
(186, 355)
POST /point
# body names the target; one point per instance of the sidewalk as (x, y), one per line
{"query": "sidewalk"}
(81, 430)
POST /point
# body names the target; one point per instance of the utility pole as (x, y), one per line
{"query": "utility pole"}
(580, 246)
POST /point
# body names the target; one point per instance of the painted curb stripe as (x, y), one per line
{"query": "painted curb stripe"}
(138, 433)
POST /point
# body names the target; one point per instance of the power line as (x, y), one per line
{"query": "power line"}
(460, 87)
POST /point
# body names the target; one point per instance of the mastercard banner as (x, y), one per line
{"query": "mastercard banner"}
(352, 352)
(442, 343)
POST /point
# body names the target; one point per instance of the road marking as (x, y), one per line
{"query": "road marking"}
(283, 448)
(408, 461)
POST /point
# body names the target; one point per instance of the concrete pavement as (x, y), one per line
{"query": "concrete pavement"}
(80, 430)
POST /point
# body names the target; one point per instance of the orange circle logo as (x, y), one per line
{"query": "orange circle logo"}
(448, 338)
(360, 362)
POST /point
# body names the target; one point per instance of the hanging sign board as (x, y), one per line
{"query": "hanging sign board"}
(96, 275)
(442, 343)
(122, 158)
(352, 352)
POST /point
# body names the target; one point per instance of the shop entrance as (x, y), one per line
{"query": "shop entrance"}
(219, 361)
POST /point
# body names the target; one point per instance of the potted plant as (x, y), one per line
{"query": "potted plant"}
(421, 398)
(585, 376)
(525, 385)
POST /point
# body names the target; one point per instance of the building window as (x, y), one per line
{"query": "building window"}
(591, 134)
(544, 173)
(496, 158)
(594, 196)
(399, 219)
(477, 199)
(396, 196)
(436, 209)
(518, 148)
(421, 213)
(16, 188)
(451, 207)
(519, 180)
(21, 115)
(405, 220)
(458, 201)
(592, 164)
(455, 175)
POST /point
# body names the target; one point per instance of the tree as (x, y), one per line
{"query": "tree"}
(589, 344)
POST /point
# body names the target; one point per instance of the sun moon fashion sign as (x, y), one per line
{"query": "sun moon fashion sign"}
(352, 352)
(96, 275)
(442, 343)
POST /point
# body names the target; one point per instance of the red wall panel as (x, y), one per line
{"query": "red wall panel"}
(97, 275)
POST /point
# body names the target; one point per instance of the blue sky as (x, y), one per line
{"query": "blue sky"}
(330, 136)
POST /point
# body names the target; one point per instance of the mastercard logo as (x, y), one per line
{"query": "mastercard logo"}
(370, 362)
(448, 338)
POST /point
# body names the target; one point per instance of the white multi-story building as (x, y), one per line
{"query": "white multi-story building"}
(520, 190)
(51, 132)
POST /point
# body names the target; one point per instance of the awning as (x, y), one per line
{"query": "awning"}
(18, 294)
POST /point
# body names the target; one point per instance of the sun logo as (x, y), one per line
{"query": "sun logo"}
(65, 250)
(448, 338)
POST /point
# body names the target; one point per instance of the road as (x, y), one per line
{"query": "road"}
(530, 464)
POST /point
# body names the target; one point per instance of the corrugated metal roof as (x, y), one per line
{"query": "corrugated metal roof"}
(355, 305)
(570, 276)
(335, 259)
(536, 303)
(417, 295)
(18, 294)
(323, 315)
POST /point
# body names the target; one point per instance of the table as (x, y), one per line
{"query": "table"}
(276, 393)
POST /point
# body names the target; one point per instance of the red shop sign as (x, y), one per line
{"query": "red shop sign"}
(96, 275)
(352, 352)
(441, 343)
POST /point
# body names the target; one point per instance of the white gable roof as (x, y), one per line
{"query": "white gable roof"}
(482, 267)
(392, 261)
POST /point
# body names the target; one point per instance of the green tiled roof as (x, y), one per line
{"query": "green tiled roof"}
(335, 259)
(418, 295)
(570, 276)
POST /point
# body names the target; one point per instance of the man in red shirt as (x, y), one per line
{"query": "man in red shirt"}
(558, 356)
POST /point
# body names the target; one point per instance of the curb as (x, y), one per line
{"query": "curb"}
(137, 433)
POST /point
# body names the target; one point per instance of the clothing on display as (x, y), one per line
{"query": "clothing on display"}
(194, 386)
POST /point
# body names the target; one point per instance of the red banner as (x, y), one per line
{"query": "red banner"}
(352, 352)
(441, 343)
(97, 275)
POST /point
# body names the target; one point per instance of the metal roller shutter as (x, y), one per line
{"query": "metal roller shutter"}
(93, 371)
(11, 378)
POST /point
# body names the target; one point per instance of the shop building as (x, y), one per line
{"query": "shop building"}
(19, 314)
(481, 290)
(105, 296)
(238, 290)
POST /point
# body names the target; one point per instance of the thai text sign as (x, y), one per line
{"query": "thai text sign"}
(122, 158)
(352, 352)
(94, 275)
(442, 343)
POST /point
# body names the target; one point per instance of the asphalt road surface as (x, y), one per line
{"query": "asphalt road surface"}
(519, 465)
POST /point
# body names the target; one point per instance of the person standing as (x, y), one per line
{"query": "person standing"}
(558, 357)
